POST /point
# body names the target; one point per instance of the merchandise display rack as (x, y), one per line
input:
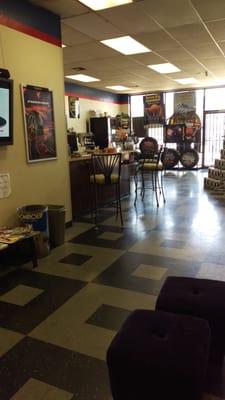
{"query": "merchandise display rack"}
(216, 175)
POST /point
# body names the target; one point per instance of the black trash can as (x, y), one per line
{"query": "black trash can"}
(37, 216)
(56, 221)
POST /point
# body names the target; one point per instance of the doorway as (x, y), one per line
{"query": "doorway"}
(214, 123)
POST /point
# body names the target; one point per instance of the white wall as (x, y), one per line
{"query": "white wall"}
(35, 62)
(79, 124)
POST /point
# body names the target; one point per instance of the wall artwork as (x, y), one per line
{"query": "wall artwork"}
(154, 110)
(74, 107)
(39, 123)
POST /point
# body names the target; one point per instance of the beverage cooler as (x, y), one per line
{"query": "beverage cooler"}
(101, 129)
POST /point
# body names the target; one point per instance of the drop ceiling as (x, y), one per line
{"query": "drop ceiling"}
(187, 33)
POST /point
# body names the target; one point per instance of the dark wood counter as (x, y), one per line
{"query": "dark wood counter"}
(82, 190)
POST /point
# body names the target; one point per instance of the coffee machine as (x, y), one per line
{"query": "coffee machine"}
(86, 140)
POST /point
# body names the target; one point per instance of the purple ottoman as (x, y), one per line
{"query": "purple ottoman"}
(158, 356)
(201, 298)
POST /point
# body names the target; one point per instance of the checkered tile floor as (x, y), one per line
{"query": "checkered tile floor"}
(57, 321)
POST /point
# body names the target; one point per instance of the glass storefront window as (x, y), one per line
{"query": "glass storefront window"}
(137, 107)
(215, 99)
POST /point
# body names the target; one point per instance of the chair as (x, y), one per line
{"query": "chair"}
(106, 170)
(149, 165)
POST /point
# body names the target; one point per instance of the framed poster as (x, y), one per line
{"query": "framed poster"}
(184, 102)
(74, 107)
(39, 123)
(174, 133)
(154, 111)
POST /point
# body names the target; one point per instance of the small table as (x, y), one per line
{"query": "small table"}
(31, 240)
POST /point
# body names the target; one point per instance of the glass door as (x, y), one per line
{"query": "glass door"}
(214, 136)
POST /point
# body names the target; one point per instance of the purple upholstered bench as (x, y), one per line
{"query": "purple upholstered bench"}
(201, 298)
(158, 356)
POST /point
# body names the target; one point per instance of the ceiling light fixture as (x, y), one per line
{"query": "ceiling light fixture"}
(186, 81)
(118, 87)
(102, 4)
(82, 78)
(126, 45)
(164, 68)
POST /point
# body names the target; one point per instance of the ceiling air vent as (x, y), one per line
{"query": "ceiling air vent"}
(79, 69)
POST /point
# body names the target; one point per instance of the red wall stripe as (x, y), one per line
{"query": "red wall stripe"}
(4, 20)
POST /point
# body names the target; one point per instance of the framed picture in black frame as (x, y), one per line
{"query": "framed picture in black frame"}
(39, 123)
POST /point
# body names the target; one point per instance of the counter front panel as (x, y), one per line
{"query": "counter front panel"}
(82, 193)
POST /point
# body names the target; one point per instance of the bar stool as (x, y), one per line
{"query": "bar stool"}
(106, 171)
(149, 166)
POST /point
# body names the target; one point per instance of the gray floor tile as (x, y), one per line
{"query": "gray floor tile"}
(8, 339)
(37, 390)
(21, 295)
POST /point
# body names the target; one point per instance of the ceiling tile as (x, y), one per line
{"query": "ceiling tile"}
(157, 41)
(63, 8)
(138, 22)
(72, 37)
(222, 46)
(94, 26)
(190, 34)
(220, 73)
(215, 63)
(87, 51)
(148, 58)
(173, 55)
(114, 63)
(217, 29)
(171, 13)
(171, 29)
(210, 9)
(204, 50)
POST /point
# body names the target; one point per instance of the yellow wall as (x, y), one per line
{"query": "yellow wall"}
(124, 108)
(79, 124)
(32, 61)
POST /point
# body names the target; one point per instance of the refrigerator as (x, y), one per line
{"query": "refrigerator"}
(101, 129)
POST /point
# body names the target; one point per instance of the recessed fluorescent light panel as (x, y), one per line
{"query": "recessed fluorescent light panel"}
(165, 68)
(186, 81)
(82, 78)
(126, 45)
(118, 87)
(102, 4)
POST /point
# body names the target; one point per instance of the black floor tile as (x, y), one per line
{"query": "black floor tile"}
(84, 376)
(75, 259)
(92, 237)
(119, 274)
(109, 317)
(55, 292)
